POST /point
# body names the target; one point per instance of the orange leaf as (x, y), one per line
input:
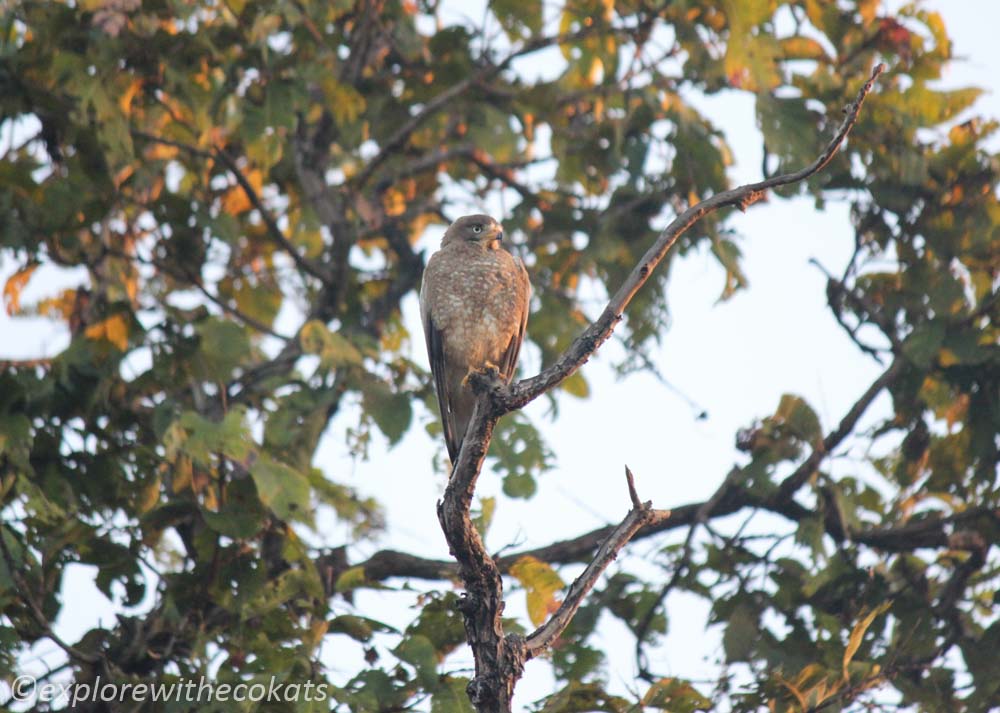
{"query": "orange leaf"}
(236, 199)
(60, 306)
(125, 101)
(394, 202)
(113, 329)
(16, 283)
(161, 152)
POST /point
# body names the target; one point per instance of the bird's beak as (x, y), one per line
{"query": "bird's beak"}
(499, 236)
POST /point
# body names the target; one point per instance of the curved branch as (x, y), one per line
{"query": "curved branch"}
(499, 659)
(523, 392)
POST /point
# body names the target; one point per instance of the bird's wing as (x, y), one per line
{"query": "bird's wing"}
(439, 369)
(508, 364)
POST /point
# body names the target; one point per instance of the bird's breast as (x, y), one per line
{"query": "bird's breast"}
(476, 307)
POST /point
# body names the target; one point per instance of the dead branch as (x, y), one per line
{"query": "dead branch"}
(523, 392)
(499, 659)
(641, 514)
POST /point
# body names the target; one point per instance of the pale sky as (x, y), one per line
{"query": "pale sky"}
(735, 359)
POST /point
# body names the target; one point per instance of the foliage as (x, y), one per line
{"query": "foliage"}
(243, 185)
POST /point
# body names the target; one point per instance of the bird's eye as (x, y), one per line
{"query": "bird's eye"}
(477, 228)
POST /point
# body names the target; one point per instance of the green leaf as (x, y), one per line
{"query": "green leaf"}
(789, 129)
(16, 438)
(740, 637)
(391, 411)
(281, 488)
(799, 417)
(419, 652)
(519, 18)
(201, 438)
(351, 579)
(241, 515)
(334, 350)
(924, 342)
(519, 485)
(450, 696)
(484, 517)
(359, 628)
(224, 345)
(576, 385)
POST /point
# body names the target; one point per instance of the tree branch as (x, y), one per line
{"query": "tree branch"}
(24, 594)
(640, 515)
(523, 392)
(304, 264)
(499, 659)
(833, 439)
(391, 146)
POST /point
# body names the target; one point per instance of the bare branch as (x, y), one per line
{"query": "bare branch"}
(632, 493)
(499, 659)
(598, 332)
(640, 515)
(729, 498)
(833, 439)
(183, 274)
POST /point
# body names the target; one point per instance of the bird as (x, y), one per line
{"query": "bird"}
(474, 301)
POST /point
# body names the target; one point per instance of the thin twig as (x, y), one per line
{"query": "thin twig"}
(41, 620)
(303, 263)
(833, 439)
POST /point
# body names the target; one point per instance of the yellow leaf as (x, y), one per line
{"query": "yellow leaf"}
(868, 9)
(210, 499)
(60, 306)
(317, 630)
(149, 496)
(858, 633)
(113, 329)
(16, 283)
(596, 73)
(183, 474)
(122, 175)
(541, 583)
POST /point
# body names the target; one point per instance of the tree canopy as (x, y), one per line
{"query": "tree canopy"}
(240, 187)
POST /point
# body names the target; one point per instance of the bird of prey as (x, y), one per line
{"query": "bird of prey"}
(474, 306)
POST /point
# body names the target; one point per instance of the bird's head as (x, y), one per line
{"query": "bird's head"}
(478, 230)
